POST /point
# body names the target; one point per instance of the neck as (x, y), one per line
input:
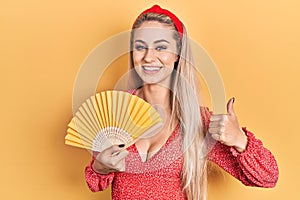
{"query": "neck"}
(156, 95)
(159, 97)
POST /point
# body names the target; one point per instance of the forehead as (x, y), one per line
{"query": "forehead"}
(153, 30)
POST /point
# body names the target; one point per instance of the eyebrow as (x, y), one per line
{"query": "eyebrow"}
(162, 40)
(155, 42)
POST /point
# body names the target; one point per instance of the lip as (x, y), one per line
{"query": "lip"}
(151, 69)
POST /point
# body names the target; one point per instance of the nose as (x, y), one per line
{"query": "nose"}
(149, 55)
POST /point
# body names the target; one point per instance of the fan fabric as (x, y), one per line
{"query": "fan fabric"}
(111, 117)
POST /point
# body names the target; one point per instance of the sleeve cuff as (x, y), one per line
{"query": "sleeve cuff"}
(250, 144)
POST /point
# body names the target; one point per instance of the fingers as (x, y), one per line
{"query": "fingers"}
(230, 112)
(230, 109)
(114, 149)
(218, 117)
(111, 151)
(225, 127)
(119, 160)
(217, 123)
(217, 126)
(118, 157)
(216, 130)
(122, 154)
(216, 137)
(112, 159)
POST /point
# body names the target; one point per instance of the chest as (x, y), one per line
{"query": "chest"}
(169, 157)
(148, 147)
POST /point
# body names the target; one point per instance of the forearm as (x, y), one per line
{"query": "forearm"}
(255, 166)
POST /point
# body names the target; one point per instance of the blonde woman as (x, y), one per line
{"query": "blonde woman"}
(172, 164)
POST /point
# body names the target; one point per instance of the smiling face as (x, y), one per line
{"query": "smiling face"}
(154, 52)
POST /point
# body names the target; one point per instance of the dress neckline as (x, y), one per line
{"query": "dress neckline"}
(173, 135)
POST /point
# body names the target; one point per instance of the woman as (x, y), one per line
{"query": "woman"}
(171, 164)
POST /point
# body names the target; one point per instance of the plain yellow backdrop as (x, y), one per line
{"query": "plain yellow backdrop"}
(255, 45)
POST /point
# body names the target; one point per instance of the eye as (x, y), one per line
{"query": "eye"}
(140, 47)
(161, 48)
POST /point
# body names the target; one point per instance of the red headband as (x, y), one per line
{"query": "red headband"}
(157, 9)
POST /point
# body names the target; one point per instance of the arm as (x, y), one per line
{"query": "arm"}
(96, 181)
(254, 165)
(99, 174)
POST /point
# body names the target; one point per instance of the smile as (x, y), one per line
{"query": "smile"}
(151, 69)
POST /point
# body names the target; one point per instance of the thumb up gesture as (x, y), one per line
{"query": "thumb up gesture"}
(226, 129)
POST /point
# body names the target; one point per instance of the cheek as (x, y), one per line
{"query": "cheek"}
(137, 57)
(169, 59)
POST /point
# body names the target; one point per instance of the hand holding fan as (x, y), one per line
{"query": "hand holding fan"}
(111, 117)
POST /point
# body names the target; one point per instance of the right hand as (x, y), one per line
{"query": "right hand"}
(109, 160)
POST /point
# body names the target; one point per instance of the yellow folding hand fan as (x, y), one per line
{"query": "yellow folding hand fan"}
(111, 117)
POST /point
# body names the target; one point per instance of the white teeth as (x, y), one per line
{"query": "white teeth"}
(151, 68)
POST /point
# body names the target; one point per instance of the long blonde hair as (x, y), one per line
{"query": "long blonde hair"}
(185, 107)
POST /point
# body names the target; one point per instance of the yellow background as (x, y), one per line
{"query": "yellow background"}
(255, 44)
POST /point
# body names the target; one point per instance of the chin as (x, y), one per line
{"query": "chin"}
(153, 81)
